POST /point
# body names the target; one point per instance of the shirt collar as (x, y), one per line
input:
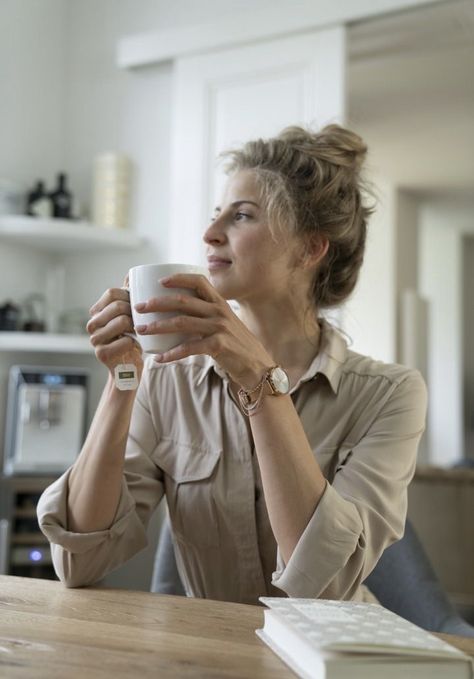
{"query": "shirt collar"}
(328, 361)
(330, 357)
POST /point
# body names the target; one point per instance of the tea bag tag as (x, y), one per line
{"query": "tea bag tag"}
(126, 376)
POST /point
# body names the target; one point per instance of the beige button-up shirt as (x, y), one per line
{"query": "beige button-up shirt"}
(190, 442)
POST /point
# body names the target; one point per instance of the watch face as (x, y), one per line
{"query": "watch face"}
(280, 380)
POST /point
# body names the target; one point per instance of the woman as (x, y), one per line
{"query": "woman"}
(284, 456)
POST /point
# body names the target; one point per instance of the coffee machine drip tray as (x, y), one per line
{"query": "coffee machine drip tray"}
(46, 419)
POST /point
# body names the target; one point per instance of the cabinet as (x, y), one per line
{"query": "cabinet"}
(446, 528)
(24, 550)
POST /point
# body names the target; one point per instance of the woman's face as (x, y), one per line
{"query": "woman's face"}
(245, 261)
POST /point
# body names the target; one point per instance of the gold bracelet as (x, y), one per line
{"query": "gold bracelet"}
(246, 405)
(278, 383)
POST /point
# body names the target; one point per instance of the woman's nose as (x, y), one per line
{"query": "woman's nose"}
(215, 232)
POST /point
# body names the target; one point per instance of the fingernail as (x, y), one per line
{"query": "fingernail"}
(158, 358)
(165, 280)
(140, 305)
(140, 328)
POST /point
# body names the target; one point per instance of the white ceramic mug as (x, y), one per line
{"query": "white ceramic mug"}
(144, 284)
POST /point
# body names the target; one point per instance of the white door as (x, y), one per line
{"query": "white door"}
(227, 97)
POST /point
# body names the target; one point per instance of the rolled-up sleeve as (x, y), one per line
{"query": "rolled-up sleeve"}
(83, 558)
(364, 509)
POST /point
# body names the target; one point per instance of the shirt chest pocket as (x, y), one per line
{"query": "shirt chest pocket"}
(190, 478)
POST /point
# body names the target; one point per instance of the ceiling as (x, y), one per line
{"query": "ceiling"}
(411, 95)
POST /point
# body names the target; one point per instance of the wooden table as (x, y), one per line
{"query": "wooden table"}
(49, 631)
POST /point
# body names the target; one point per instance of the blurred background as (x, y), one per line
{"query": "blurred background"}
(111, 115)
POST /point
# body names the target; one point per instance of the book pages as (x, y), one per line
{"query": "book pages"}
(357, 628)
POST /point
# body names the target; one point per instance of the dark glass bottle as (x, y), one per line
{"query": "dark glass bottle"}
(38, 203)
(61, 199)
(9, 316)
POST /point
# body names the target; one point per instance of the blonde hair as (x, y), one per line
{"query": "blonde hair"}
(311, 186)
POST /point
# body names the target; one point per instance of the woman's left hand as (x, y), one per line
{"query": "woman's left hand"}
(213, 327)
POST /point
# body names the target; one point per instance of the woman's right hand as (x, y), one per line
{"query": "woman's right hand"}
(111, 317)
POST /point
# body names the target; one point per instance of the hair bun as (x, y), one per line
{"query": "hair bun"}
(334, 144)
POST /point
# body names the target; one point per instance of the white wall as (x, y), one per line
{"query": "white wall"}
(32, 73)
(442, 225)
(369, 316)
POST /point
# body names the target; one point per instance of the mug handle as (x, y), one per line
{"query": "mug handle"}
(130, 334)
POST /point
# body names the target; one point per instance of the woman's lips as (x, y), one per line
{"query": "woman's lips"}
(215, 263)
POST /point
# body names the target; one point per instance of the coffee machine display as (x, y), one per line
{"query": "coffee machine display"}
(46, 418)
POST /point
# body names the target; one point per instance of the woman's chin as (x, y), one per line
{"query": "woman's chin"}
(223, 287)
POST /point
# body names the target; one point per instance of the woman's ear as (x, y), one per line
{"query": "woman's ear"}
(316, 250)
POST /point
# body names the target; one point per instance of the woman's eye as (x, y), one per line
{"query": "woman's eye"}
(241, 215)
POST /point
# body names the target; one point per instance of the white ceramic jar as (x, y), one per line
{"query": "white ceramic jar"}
(112, 190)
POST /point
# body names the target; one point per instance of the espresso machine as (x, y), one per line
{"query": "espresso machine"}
(46, 419)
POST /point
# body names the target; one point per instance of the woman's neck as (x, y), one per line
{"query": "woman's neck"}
(291, 336)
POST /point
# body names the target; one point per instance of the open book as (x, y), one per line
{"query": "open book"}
(322, 639)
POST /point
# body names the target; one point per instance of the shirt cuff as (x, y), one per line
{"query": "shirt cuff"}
(333, 533)
(52, 518)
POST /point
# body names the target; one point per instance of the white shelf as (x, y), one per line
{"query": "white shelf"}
(64, 235)
(45, 343)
